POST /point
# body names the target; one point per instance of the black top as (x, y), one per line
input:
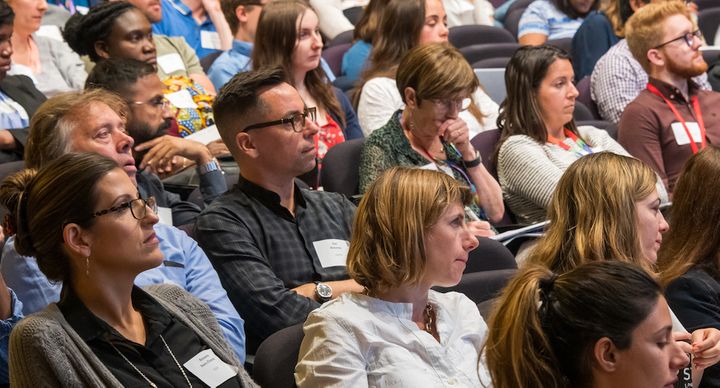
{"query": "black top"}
(695, 299)
(261, 251)
(152, 358)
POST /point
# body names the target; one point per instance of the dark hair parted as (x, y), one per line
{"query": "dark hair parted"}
(367, 26)
(693, 240)
(275, 41)
(520, 112)
(567, 8)
(62, 192)
(387, 249)
(7, 16)
(82, 31)
(118, 74)
(240, 97)
(544, 326)
(398, 32)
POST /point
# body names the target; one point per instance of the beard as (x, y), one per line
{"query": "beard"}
(142, 132)
(687, 70)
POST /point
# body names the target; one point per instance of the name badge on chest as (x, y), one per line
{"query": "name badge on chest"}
(209, 368)
(681, 136)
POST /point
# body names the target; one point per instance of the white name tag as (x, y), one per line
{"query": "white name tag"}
(206, 136)
(681, 137)
(50, 31)
(181, 99)
(210, 369)
(210, 40)
(165, 215)
(170, 63)
(332, 252)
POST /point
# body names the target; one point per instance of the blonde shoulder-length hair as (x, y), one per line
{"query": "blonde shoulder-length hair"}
(387, 248)
(592, 214)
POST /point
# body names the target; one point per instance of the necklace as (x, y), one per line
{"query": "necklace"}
(429, 315)
(143, 375)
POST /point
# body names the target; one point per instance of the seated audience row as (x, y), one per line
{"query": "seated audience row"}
(545, 20)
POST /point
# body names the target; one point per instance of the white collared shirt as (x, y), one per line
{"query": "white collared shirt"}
(360, 341)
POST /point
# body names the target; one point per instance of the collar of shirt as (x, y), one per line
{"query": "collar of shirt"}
(270, 199)
(181, 7)
(90, 327)
(673, 93)
(244, 48)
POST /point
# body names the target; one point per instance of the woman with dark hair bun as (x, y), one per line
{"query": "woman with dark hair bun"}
(105, 331)
(603, 324)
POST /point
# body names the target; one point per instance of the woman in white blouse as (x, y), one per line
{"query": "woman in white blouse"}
(404, 25)
(409, 235)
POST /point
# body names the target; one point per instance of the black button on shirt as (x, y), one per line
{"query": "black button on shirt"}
(152, 358)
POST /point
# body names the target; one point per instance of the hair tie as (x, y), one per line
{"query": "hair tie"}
(546, 287)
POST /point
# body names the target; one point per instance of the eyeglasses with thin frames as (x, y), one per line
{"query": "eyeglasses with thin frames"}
(138, 208)
(159, 102)
(460, 104)
(689, 39)
(296, 120)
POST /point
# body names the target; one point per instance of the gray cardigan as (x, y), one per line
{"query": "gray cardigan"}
(45, 350)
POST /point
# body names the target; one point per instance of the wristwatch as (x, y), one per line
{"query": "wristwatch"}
(323, 291)
(212, 165)
(473, 163)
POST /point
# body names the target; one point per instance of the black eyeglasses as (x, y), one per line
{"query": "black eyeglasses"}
(689, 38)
(138, 208)
(297, 121)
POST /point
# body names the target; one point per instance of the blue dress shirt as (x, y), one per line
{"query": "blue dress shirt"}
(185, 265)
(177, 20)
(5, 329)
(238, 59)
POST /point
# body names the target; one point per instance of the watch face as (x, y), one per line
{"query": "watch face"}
(324, 290)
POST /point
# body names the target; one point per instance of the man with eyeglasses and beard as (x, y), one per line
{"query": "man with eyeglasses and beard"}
(673, 118)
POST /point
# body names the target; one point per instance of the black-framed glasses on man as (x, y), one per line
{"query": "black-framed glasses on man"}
(159, 102)
(138, 208)
(297, 120)
(689, 38)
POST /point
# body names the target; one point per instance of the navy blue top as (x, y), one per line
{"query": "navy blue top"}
(591, 41)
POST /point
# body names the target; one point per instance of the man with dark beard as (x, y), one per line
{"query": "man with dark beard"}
(673, 118)
(150, 116)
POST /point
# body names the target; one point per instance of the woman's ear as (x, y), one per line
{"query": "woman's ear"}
(101, 49)
(605, 355)
(410, 96)
(77, 240)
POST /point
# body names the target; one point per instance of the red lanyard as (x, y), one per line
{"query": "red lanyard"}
(579, 142)
(698, 115)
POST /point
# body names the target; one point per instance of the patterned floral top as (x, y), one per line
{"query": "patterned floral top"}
(388, 147)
